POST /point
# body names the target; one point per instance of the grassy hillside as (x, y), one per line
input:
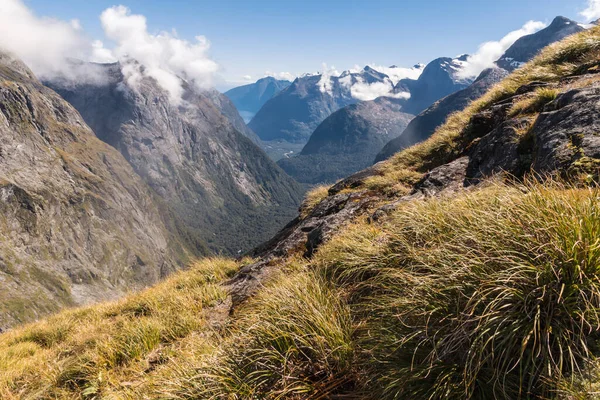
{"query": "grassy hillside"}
(492, 292)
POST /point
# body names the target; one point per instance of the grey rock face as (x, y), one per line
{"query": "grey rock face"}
(347, 141)
(563, 140)
(78, 225)
(220, 183)
(527, 47)
(567, 135)
(425, 124)
(229, 110)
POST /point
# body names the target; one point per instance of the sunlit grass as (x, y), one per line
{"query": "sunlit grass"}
(313, 198)
(93, 350)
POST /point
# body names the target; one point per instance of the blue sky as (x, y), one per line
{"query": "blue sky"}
(252, 37)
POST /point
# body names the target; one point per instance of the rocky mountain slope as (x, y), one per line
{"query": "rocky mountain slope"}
(250, 98)
(429, 120)
(347, 141)
(216, 179)
(529, 46)
(461, 268)
(78, 225)
(229, 111)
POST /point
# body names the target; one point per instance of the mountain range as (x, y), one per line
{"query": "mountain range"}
(216, 179)
(348, 141)
(522, 51)
(440, 90)
(293, 115)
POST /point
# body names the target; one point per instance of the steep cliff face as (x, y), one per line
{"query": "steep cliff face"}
(219, 182)
(78, 225)
(347, 141)
(229, 110)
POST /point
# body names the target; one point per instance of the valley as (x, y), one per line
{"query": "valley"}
(176, 225)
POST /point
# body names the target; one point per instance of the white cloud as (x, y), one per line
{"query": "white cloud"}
(326, 84)
(286, 76)
(346, 81)
(396, 74)
(164, 57)
(45, 45)
(42, 43)
(592, 12)
(490, 52)
(364, 91)
(101, 54)
(247, 78)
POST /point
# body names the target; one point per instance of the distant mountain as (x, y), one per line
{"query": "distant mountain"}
(295, 113)
(347, 141)
(440, 78)
(429, 120)
(527, 47)
(221, 184)
(248, 99)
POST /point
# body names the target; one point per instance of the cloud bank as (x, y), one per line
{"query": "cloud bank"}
(592, 12)
(365, 92)
(490, 52)
(164, 56)
(285, 76)
(326, 83)
(396, 74)
(42, 43)
(46, 45)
